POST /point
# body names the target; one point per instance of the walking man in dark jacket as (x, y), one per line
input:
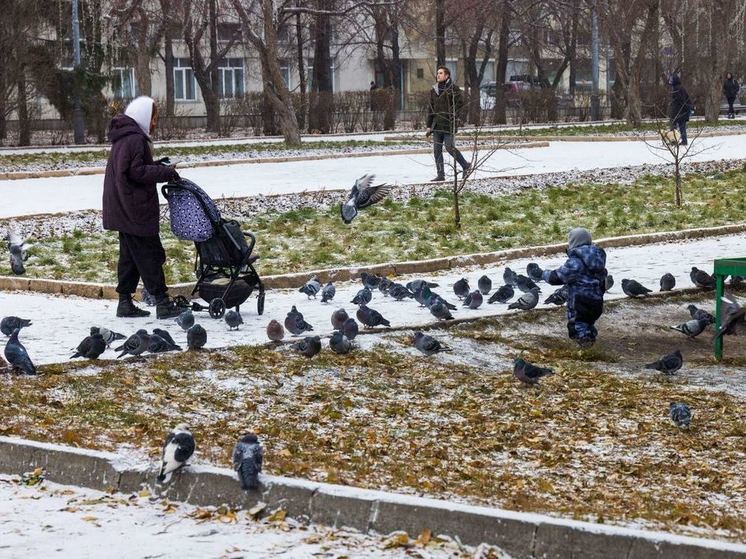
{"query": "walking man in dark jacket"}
(681, 107)
(130, 206)
(730, 90)
(584, 273)
(445, 109)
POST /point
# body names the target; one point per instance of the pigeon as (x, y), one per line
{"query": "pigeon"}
(339, 343)
(702, 279)
(361, 196)
(461, 288)
(399, 292)
(233, 319)
(147, 298)
(668, 364)
(440, 311)
(135, 345)
(502, 295)
(275, 331)
(680, 414)
(668, 282)
(484, 284)
(350, 328)
(328, 292)
(559, 297)
(384, 285)
(17, 356)
(363, 296)
(308, 346)
(18, 254)
(247, 461)
(109, 336)
(692, 328)
(732, 314)
(474, 299)
(700, 314)
(165, 335)
(633, 288)
(295, 324)
(525, 284)
(91, 347)
(157, 344)
(338, 318)
(10, 323)
(428, 345)
(312, 287)
(370, 318)
(509, 277)
(533, 271)
(609, 282)
(185, 320)
(735, 281)
(177, 449)
(371, 281)
(196, 337)
(416, 285)
(527, 301)
(528, 373)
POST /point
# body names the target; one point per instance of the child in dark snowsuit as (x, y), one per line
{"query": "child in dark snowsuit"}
(584, 273)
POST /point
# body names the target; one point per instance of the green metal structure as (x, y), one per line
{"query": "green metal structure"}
(724, 267)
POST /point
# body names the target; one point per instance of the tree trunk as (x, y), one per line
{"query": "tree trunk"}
(169, 61)
(301, 71)
(440, 32)
(3, 105)
(456, 207)
(500, 116)
(24, 124)
(321, 94)
(213, 103)
(268, 110)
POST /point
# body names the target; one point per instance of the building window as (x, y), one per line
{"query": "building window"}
(230, 78)
(285, 71)
(123, 82)
(451, 65)
(184, 84)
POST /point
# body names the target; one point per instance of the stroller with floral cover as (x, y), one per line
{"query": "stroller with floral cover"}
(224, 263)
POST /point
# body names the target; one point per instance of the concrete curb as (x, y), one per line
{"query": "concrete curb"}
(522, 535)
(80, 171)
(288, 281)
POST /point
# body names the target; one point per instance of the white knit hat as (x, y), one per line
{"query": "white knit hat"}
(141, 111)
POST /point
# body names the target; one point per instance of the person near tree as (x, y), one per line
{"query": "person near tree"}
(680, 108)
(730, 90)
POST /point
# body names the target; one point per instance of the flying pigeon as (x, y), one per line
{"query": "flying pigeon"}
(370, 318)
(416, 285)
(484, 284)
(440, 311)
(363, 296)
(680, 414)
(328, 292)
(275, 331)
(461, 288)
(474, 299)
(295, 324)
(509, 277)
(527, 301)
(502, 295)
(247, 460)
(525, 284)
(533, 271)
(135, 345)
(428, 345)
(312, 287)
(668, 282)
(17, 356)
(702, 279)
(185, 320)
(371, 281)
(633, 288)
(338, 318)
(233, 319)
(91, 347)
(109, 336)
(399, 292)
(609, 282)
(692, 328)
(700, 314)
(668, 364)
(308, 346)
(10, 323)
(196, 337)
(18, 253)
(339, 343)
(528, 373)
(177, 449)
(361, 196)
(559, 297)
(732, 314)
(350, 329)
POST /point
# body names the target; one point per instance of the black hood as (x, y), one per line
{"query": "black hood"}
(121, 126)
(675, 81)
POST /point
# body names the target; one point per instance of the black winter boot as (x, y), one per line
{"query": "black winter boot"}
(165, 307)
(127, 309)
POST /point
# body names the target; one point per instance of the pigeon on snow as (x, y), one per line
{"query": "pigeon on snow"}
(295, 324)
(668, 282)
(135, 345)
(668, 364)
(527, 301)
(416, 285)
(165, 335)
(308, 346)
(533, 271)
(502, 295)
(461, 288)
(91, 347)
(474, 299)
(363, 296)
(109, 336)
(702, 279)
(399, 292)
(370, 318)
(339, 343)
(338, 318)
(350, 328)
(484, 284)
(233, 319)
(361, 196)
(10, 323)
(17, 356)
(185, 320)
(428, 345)
(157, 344)
(371, 281)
(328, 292)
(18, 253)
(196, 337)
(633, 288)
(700, 314)
(311, 287)
(275, 331)
(609, 282)
(559, 297)
(509, 276)
(528, 373)
(440, 311)
(525, 284)
(247, 460)
(177, 449)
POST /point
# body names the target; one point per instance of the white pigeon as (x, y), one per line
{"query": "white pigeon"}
(177, 449)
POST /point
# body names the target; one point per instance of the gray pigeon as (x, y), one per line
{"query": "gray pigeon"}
(609, 282)
(474, 299)
(361, 196)
(156, 344)
(484, 284)
(399, 292)
(428, 345)
(509, 277)
(17, 356)
(328, 292)
(527, 301)
(559, 297)
(177, 449)
(147, 298)
(18, 254)
(91, 347)
(339, 343)
(363, 296)
(247, 461)
(384, 285)
(533, 271)
(135, 345)
(440, 311)
(350, 329)
(668, 282)
(165, 335)
(295, 324)
(735, 281)
(733, 314)
(308, 346)
(668, 364)
(700, 314)
(338, 318)
(312, 287)
(692, 328)
(196, 337)
(10, 323)
(528, 373)
(427, 298)
(502, 295)
(525, 284)
(702, 279)
(371, 281)
(275, 331)
(633, 288)
(370, 318)
(233, 319)
(461, 288)
(185, 320)
(416, 285)
(680, 414)
(109, 336)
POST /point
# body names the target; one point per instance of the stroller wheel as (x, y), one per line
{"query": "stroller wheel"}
(260, 303)
(217, 308)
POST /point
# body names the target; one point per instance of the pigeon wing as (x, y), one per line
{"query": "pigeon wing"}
(373, 194)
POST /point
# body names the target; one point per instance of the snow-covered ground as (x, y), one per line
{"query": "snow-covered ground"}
(61, 322)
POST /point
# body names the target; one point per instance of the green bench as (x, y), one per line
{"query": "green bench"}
(724, 267)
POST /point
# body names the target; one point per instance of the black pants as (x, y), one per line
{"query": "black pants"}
(141, 257)
(444, 138)
(730, 106)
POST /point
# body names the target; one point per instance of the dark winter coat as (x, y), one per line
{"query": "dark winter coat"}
(130, 202)
(681, 105)
(584, 273)
(445, 108)
(730, 89)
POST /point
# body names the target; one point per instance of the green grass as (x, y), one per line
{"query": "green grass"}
(420, 228)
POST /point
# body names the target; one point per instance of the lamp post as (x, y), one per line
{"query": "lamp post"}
(78, 124)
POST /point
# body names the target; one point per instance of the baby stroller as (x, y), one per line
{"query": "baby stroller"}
(224, 265)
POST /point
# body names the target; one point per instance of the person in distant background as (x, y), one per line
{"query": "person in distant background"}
(444, 112)
(730, 90)
(680, 107)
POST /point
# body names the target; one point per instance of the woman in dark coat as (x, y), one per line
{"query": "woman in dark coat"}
(730, 90)
(130, 206)
(680, 108)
